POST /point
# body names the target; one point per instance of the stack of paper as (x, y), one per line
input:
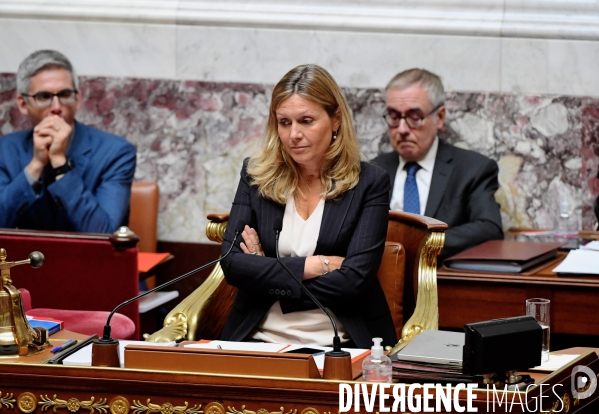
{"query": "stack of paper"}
(555, 362)
(155, 299)
(83, 357)
(581, 261)
(592, 245)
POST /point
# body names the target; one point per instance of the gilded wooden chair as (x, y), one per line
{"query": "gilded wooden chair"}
(408, 276)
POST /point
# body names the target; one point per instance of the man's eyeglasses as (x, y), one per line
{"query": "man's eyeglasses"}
(44, 99)
(413, 117)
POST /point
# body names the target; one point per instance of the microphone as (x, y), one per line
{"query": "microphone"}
(337, 361)
(105, 349)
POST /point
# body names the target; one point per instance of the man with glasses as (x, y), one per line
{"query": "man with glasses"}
(433, 178)
(61, 175)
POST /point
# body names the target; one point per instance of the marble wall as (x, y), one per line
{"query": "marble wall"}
(192, 136)
(526, 47)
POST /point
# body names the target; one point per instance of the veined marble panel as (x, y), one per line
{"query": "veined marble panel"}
(192, 136)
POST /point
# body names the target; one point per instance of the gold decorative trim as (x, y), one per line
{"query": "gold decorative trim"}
(7, 400)
(310, 410)
(182, 321)
(565, 407)
(426, 312)
(566, 400)
(73, 404)
(233, 410)
(216, 231)
(119, 405)
(214, 408)
(174, 329)
(27, 402)
(166, 408)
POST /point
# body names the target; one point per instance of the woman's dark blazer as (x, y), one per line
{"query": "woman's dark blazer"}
(353, 226)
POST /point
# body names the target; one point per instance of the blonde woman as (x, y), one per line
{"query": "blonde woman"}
(334, 210)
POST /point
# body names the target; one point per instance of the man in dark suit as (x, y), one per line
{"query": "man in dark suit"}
(61, 175)
(434, 178)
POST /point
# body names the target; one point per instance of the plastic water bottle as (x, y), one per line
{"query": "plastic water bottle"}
(565, 224)
(376, 367)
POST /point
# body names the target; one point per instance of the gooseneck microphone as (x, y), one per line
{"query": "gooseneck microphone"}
(341, 367)
(108, 356)
(336, 340)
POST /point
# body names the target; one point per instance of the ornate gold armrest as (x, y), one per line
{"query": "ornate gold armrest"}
(423, 239)
(184, 321)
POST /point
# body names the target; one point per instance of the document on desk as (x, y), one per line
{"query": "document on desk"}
(355, 353)
(238, 346)
(582, 262)
(592, 245)
(555, 362)
(83, 357)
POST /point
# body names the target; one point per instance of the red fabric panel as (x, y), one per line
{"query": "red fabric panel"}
(78, 274)
(89, 322)
(25, 299)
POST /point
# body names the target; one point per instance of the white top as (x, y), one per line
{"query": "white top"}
(312, 327)
(424, 177)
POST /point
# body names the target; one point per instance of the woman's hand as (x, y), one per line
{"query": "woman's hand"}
(251, 242)
(317, 265)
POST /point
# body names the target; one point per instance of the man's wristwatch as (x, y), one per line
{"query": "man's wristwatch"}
(63, 169)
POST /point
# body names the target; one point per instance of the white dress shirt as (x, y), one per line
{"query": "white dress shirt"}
(424, 177)
(311, 327)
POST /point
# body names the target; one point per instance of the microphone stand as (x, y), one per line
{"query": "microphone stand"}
(105, 350)
(337, 363)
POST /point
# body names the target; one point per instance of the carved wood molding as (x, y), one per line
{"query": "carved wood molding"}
(28, 402)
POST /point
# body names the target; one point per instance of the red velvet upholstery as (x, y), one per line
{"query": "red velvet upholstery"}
(25, 299)
(89, 322)
(83, 322)
(81, 271)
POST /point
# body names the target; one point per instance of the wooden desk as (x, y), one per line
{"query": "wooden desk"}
(87, 390)
(466, 296)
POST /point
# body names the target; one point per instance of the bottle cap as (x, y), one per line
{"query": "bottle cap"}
(377, 349)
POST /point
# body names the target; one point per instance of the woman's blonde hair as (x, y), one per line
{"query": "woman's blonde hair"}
(274, 172)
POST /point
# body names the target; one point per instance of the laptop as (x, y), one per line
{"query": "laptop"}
(433, 347)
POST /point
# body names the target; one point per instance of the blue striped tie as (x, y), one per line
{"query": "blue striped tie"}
(411, 201)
